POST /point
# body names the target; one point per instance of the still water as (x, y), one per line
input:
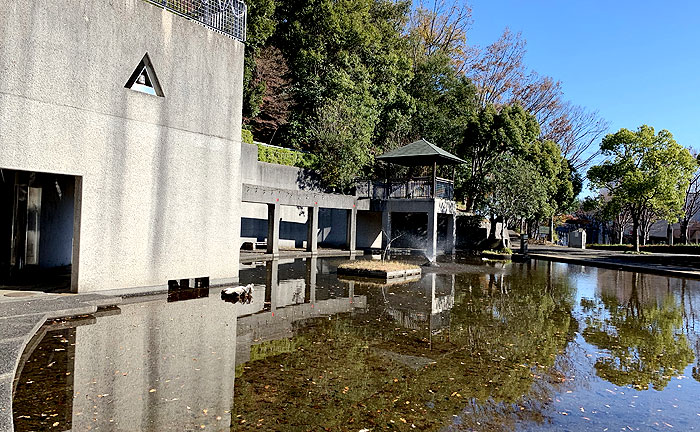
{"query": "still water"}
(482, 346)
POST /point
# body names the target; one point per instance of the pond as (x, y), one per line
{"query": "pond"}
(470, 346)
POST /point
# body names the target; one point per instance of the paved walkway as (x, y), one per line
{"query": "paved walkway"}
(678, 265)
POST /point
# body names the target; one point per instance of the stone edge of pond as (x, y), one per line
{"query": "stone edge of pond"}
(681, 272)
(380, 274)
(20, 319)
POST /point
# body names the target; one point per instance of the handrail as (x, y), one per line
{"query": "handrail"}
(224, 16)
(421, 187)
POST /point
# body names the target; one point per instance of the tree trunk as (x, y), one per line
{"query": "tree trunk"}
(635, 234)
(685, 223)
(492, 228)
(551, 229)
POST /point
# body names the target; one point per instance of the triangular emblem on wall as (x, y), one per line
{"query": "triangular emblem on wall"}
(144, 79)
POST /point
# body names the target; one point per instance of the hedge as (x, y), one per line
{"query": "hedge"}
(283, 156)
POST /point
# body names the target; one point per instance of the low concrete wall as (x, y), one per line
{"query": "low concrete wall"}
(273, 175)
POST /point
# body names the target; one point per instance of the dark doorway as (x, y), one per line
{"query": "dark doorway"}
(37, 213)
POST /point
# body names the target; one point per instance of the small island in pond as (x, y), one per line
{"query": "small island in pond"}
(379, 269)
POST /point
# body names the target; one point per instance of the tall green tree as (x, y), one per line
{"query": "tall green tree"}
(444, 101)
(516, 191)
(644, 172)
(490, 133)
(350, 52)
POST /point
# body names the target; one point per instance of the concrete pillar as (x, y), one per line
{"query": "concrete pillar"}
(386, 228)
(273, 229)
(271, 283)
(432, 234)
(351, 291)
(451, 242)
(312, 230)
(351, 234)
(311, 272)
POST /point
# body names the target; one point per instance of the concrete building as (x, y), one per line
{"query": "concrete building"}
(283, 206)
(120, 127)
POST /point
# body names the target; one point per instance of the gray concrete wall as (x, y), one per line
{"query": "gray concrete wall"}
(161, 182)
(273, 175)
(369, 230)
(332, 227)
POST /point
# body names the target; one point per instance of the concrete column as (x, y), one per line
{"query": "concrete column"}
(351, 292)
(271, 283)
(432, 234)
(351, 234)
(451, 242)
(273, 229)
(311, 272)
(312, 230)
(386, 228)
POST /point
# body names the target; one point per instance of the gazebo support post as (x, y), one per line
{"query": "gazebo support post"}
(435, 179)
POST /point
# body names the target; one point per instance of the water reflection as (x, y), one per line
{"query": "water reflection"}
(536, 346)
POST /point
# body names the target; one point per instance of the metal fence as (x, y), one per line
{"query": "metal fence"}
(404, 189)
(225, 16)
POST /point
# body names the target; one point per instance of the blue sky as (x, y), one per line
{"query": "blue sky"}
(634, 62)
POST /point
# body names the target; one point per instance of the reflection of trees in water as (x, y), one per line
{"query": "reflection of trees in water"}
(497, 366)
(645, 340)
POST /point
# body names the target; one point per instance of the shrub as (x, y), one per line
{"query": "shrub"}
(247, 136)
(283, 156)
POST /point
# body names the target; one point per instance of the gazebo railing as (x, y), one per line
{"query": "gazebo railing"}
(420, 187)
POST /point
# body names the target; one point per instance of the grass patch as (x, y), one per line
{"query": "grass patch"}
(377, 265)
(504, 251)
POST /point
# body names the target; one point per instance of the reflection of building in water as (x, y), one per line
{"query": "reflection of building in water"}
(290, 295)
(425, 304)
(164, 365)
(155, 366)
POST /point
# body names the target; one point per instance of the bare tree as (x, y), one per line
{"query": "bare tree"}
(500, 78)
(272, 72)
(692, 201)
(436, 26)
(577, 131)
(499, 70)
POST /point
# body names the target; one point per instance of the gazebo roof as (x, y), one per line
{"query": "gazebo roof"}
(420, 153)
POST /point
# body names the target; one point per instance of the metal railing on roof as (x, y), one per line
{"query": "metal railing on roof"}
(224, 16)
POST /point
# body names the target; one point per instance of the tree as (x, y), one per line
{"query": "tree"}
(644, 340)
(691, 204)
(644, 172)
(335, 136)
(351, 52)
(272, 74)
(444, 102)
(489, 134)
(500, 77)
(260, 26)
(440, 28)
(516, 191)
